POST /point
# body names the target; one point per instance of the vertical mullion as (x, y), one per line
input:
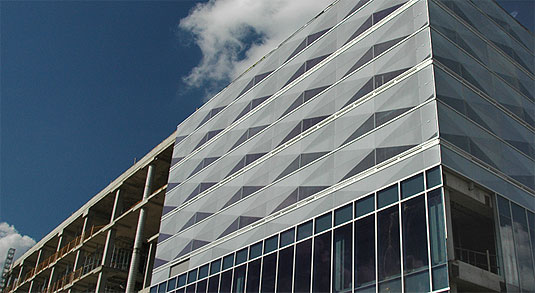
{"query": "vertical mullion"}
(400, 240)
(261, 269)
(332, 254)
(514, 245)
(246, 272)
(294, 259)
(353, 254)
(312, 259)
(277, 265)
(430, 264)
(376, 235)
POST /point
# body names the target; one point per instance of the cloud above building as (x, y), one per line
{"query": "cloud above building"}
(10, 237)
(234, 34)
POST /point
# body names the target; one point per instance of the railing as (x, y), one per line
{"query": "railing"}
(59, 254)
(483, 260)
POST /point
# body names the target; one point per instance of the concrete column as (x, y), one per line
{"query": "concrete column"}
(150, 263)
(117, 205)
(53, 270)
(106, 260)
(39, 254)
(138, 242)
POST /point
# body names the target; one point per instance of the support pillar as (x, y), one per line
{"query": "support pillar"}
(39, 255)
(110, 243)
(138, 242)
(53, 270)
(150, 263)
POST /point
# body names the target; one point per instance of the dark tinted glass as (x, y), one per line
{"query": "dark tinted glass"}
(271, 244)
(414, 235)
(241, 256)
(239, 279)
(343, 214)
(162, 287)
(342, 258)
(412, 185)
(213, 284)
(433, 177)
(154, 289)
(287, 237)
(268, 273)
(417, 282)
(440, 277)
(256, 250)
(365, 205)
(303, 260)
(215, 266)
(388, 253)
(181, 281)
(203, 271)
(365, 252)
(285, 271)
(192, 276)
(304, 230)
(437, 234)
(387, 196)
(228, 261)
(201, 286)
(226, 282)
(190, 289)
(171, 284)
(323, 223)
(253, 276)
(321, 280)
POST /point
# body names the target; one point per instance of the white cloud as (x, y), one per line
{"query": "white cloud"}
(10, 237)
(234, 34)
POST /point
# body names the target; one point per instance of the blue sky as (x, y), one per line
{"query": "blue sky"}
(88, 86)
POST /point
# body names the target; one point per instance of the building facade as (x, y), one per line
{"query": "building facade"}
(386, 146)
(93, 249)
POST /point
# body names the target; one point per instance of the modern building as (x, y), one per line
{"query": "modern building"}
(386, 146)
(92, 250)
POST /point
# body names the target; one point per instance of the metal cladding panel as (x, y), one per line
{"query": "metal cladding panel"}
(344, 106)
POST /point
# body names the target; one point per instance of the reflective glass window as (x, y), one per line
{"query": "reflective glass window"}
(228, 261)
(213, 284)
(365, 252)
(203, 271)
(414, 231)
(508, 249)
(181, 281)
(255, 250)
(417, 282)
(239, 279)
(433, 177)
(285, 271)
(323, 223)
(226, 282)
(215, 266)
(269, 268)
(522, 245)
(412, 185)
(192, 276)
(440, 277)
(190, 288)
(154, 289)
(342, 257)
(303, 261)
(304, 230)
(162, 287)
(201, 286)
(437, 232)
(387, 196)
(171, 284)
(321, 279)
(388, 246)
(253, 276)
(343, 214)
(241, 256)
(365, 205)
(271, 244)
(287, 237)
